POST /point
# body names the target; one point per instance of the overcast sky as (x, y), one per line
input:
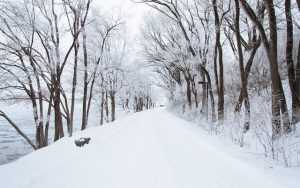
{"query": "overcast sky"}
(134, 12)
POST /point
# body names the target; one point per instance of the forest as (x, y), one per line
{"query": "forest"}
(58, 56)
(231, 66)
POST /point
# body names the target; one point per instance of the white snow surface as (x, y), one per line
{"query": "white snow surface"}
(152, 149)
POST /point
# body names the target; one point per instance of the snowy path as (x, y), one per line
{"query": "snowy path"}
(150, 149)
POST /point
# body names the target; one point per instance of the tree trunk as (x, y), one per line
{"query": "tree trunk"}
(48, 118)
(297, 87)
(106, 107)
(141, 104)
(219, 53)
(59, 132)
(102, 108)
(85, 80)
(278, 98)
(204, 107)
(211, 95)
(241, 65)
(113, 106)
(289, 61)
(188, 92)
(74, 85)
(276, 81)
(247, 71)
(195, 93)
(135, 104)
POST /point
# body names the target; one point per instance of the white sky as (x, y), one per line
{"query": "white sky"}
(133, 12)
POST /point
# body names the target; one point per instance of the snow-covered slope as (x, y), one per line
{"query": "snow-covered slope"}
(152, 149)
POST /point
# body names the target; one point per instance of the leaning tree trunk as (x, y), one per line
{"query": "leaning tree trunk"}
(247, 71)
(18, 130)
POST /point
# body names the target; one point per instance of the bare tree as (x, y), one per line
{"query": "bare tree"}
(278, 99)
(219, 75)
(175, 14)
(290, 64)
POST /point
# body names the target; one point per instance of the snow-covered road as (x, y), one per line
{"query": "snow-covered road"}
(152, 149)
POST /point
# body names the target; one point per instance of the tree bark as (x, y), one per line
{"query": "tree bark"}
(85, 80)
(113, 106)
(211, 94)
(195, 92)
(188, 92)
(290, 63)
(106, 107)
(59, 132)
(74, 85)
(247, 71)
(102, 108)
(219, 53)
(279, 102)
(48, 118)
(297, 85)
(241, 65)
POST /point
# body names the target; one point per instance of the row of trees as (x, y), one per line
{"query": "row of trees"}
(186, 47)
(60, 54)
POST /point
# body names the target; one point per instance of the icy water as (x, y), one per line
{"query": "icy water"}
(12, 145)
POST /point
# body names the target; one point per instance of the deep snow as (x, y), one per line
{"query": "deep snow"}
(149, 149)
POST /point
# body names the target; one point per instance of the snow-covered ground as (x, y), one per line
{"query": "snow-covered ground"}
(13, 146)
(148, 149)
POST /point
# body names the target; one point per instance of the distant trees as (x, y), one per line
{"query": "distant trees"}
(43, 45)
(178, 47)
(185, 46)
